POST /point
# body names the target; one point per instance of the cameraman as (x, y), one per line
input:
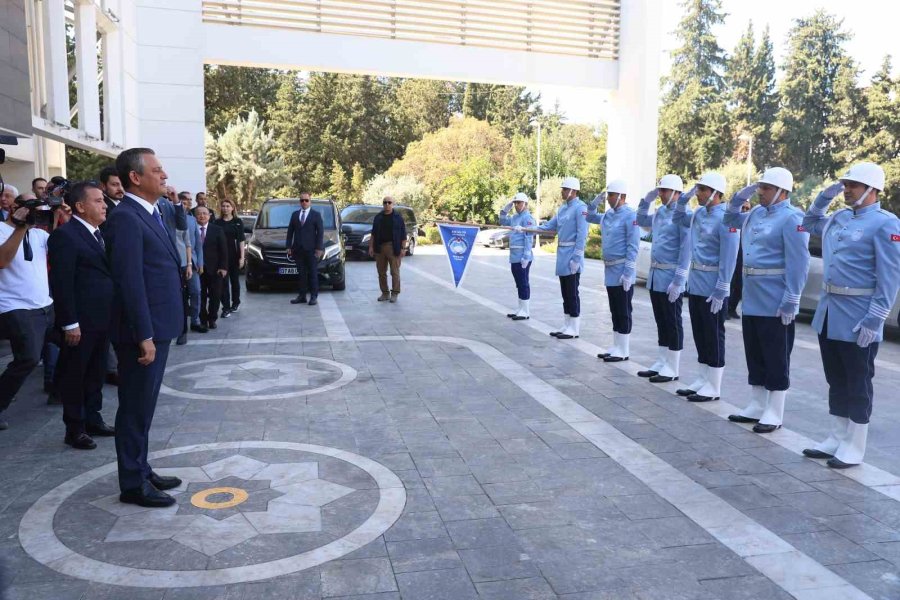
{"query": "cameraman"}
(26, 309)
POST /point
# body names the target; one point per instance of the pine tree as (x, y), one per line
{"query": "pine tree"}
(338, 186)
(695, 128)
(232, 92)
(766, 102)
(809, 94)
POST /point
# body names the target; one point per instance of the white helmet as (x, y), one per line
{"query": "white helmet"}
(520, 197)
(715, 181)
(671, 182)
(779, 177)
(616, 186)
(571, 183)
(868, 173)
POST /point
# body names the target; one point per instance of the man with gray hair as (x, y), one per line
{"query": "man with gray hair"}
(388, 244)
(7, 201)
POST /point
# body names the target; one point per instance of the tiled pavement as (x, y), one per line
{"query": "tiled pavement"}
(433, 449)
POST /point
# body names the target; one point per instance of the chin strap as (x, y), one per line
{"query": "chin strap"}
(863, 197)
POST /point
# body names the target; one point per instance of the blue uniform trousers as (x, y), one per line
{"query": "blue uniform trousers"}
(568, 285)
(620, 307)
(669, 330)
(709, 331)
(768, 344)
(138, 391)
(521, 277)
(849, 370)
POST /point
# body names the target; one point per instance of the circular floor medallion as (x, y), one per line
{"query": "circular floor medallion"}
(255, 377)
(283, 498)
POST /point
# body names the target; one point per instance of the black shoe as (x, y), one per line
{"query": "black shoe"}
(199, 328)
(518, 318)
(510, 315)
(226, 314)
(662, 379)
(742, 419)
(313, 301)
(764, 428)
(836, 463)
(112, 378)
(565, 336)
(699, 398)
(556, 333)
(647, 373)
(299, 300)
(211, 325)
(80, 441)
(235, 308)
(614, 359)
(603, 355)
(3, 425)
(685, 392)
(100, 429)
(813, 453)
(147, 496)
(163, 482)
(53, 399)
(182, 340)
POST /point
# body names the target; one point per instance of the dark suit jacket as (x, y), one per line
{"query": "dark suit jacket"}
(398, 227)
(146, 272)
(309, 237)
(80, 278)
(215, 249)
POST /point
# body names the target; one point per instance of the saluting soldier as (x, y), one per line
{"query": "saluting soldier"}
(570, 224)
(775, 267)
(620, 237)
(670, 259)
(861, 262)
(520, 253)
(713, 255)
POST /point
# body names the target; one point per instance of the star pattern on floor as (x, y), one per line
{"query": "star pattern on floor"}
(284, 498)
(254, 376)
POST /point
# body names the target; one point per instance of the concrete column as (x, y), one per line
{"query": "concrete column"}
(55, 66)
(86, 68)
(113, 118)
(634, 122)
(168, 63)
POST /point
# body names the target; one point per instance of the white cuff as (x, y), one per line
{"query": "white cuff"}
(70, 327)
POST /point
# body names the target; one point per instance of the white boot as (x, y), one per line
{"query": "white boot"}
(757, 406)
(571, 329)
(839, 426)
(711, 389)
(669, 371)
(853, 447)
(562, 329)
(698, 383)
(524, 311)
(619, 351)
(774, 413)
(576, 325)
(657, 366)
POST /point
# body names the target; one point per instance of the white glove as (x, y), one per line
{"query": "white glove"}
(518, 229)
(573, 266)
(866, 335)
(715, 304)
(598, 200)
(674, 291)
(626, 282)
(506, 208)
(524, 263)
(786, 317)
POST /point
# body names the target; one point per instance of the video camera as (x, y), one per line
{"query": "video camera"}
(43, 217)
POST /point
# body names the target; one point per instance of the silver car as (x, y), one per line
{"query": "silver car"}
(809, 300)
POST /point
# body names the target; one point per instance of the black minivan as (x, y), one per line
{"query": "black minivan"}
(356, 226)
(267, 261)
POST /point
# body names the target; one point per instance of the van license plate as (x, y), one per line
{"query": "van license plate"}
(287, 270)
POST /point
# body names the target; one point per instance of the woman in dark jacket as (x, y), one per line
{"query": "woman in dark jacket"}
(233, 227)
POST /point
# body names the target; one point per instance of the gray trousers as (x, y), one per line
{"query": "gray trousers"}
(25, 330)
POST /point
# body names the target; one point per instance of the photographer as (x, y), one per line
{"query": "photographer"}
(26, 309)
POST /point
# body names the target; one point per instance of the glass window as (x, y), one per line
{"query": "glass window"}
(359, 214)
(278, 216)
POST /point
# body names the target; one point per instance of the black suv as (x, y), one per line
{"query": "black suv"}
(356, 226)
(267, 260)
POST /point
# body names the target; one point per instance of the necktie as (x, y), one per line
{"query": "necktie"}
(302, 217)
(158, 218)
(99, 237)
(203, 234)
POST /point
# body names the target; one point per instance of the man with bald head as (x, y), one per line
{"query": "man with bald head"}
(388, 244)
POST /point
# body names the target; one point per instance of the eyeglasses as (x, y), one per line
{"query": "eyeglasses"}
(387, 202)
(304, 200)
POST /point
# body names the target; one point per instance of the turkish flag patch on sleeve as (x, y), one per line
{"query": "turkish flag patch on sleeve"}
(800, 228)
(584, 213)
(732, 230)
(895, 237)
(634, 222)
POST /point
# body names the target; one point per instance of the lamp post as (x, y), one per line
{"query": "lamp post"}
(537, 192)
(749, 139)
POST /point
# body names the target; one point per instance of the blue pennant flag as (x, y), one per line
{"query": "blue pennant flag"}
(458, 241)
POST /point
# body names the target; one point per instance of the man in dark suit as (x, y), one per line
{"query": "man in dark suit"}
(305, 245)
(146, 317)
(82, 288)
(215, 267)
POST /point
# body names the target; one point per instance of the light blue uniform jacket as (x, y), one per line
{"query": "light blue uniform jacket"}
(772, 238)
(621, 238)
(714, 245)
(671, 246)
(860, 250)
(520, 244)
(571, 226)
